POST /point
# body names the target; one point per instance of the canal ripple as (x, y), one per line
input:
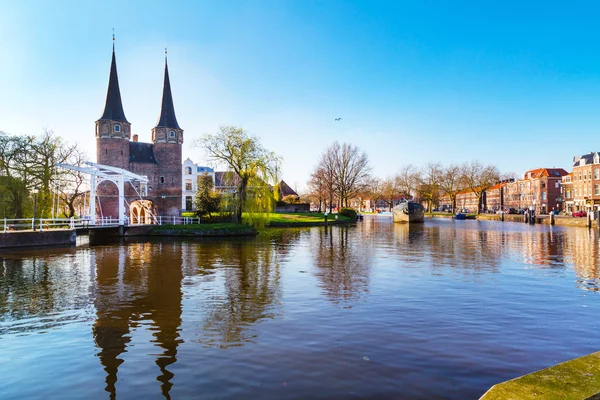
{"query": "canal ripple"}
(381, 310)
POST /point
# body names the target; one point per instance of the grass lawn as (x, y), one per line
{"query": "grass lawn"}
(290, 219)
(219, 229)
(275, 219)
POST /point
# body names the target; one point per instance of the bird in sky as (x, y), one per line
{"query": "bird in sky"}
(338, 119)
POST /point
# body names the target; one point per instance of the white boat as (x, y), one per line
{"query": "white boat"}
(409, 212)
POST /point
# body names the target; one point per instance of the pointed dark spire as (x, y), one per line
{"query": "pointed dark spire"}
(113, 110)
(167, 117)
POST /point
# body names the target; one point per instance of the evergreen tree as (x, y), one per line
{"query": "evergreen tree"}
(207, 200)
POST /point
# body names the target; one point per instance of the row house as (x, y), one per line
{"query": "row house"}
(494, 196)
(466, 199)
(540, 188)
(581, 188)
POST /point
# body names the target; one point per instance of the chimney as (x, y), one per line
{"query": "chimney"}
(135, 138)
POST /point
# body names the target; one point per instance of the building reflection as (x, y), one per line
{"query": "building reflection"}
(442, 247)
(134, 284)
(580, 248)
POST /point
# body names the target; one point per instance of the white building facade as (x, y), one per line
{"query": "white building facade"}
(189, 180)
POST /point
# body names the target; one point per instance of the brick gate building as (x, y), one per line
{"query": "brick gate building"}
(160, 160)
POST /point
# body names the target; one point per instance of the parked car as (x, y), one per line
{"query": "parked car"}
(579, 214)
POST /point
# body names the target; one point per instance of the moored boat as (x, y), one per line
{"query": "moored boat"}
(409, 212)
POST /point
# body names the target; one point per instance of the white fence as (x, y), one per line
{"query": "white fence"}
(43, 224)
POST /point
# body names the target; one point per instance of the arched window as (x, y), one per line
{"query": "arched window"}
(117, 128)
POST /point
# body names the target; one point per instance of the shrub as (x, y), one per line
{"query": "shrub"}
(291, 199)
(348, 212)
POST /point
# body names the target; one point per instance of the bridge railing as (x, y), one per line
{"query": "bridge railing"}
(169, 220)
(33, 224)
(43, 224)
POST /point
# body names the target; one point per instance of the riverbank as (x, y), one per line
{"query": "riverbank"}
(306, 219)
(539, 219)
(576, 379)
(48, 238)
(203, 230)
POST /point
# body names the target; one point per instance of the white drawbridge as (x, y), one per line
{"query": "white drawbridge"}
(100, 173)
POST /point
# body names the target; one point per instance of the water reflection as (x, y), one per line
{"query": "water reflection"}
(342, 267)
(46, 289)
(250, 290)
(138, 283)
(226, 298)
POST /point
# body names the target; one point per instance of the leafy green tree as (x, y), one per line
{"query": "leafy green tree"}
(207, 200)
(254, 165)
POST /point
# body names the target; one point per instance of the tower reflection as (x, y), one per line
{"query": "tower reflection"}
(136, 283)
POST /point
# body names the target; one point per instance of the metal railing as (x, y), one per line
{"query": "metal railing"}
(37, 224)
(44, 224)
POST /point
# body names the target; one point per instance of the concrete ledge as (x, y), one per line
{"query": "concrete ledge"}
(577, 379)
(539, 219)
(57, 237)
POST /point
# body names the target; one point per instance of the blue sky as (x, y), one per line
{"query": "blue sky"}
(511, 84)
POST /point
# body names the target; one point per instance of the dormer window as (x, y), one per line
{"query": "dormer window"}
(117, 128)
(582, 161)
(172, 133)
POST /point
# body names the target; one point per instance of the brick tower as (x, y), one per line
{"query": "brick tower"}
(112, 142)
(167, 137)
(113, 131)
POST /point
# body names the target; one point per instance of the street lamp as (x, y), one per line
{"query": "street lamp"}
(163, 199)
(35, 192)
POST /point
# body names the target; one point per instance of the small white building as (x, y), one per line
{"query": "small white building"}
(189, 182)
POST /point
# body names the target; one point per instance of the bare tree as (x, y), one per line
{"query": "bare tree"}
(478, 178)
(390, 190)
(327, 166)
(344, 170)
(317, 188)
(352, 171)
(428, 179)
(450, 182)
(72, 182)
(374, 190)
(408, 180)
(38, 166)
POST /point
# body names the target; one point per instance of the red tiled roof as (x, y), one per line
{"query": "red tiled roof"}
(546, 172)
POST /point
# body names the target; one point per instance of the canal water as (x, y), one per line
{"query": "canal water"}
(378, 310)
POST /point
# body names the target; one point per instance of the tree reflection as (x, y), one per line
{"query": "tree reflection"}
(342, 267)
(39, 286)
(251, 288)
